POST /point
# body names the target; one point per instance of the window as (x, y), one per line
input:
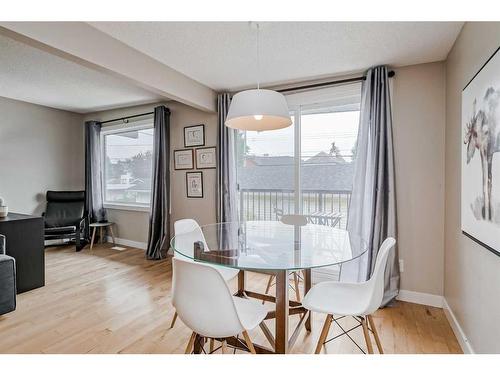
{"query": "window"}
(307, 168)
(127, 165)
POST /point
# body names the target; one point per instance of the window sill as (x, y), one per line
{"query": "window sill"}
(126, 207)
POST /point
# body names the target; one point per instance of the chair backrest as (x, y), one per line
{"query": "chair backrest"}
(64, 208)
(187, 232)
(203, 300)
(376, 283)
(294, 219)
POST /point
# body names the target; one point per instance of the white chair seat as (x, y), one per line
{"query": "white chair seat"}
(337, 298)
(251, 312)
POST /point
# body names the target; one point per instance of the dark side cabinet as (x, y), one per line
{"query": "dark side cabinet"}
(24, 242)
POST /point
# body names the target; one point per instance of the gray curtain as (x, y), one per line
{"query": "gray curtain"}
(93, 173)
(227, 185)
(372, 211)
(159, 218)
(227, 199)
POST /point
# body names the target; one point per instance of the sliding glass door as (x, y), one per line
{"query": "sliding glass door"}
(307, 168)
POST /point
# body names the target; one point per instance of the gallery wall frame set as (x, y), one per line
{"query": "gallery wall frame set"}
(480, 143)
(191, 158)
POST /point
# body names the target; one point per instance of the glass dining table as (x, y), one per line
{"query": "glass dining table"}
(274, 248)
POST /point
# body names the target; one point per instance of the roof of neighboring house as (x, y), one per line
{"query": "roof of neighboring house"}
(134, 185)
(335, 175)
(118, 186)
(139, 185)
(324, 158)
(271, 160)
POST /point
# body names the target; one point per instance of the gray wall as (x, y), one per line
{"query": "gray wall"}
(472, 273)
(133, 225)
(419, 129)
(41, 149)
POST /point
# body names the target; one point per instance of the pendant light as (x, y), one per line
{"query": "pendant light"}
(258, 109)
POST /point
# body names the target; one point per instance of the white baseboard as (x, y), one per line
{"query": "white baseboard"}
(457, 329)
(439, 301)
(420, 298)
(129, 243)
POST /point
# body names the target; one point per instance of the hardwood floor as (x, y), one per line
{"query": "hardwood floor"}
(109, 301)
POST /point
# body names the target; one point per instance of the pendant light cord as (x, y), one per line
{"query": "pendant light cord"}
(258, 56)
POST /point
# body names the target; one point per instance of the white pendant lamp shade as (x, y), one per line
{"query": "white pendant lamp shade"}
(258, 110)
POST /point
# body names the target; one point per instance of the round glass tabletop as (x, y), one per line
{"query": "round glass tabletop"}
(269, 245)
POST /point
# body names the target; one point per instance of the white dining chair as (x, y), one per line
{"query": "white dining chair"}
(289, 219)
(358, 300)
(205, 304)
(187, 232)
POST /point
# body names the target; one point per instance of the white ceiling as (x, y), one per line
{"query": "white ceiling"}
(222, 55)
(35, 76)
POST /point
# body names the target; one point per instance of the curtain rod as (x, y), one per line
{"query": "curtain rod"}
(330, 83)
(127, 117)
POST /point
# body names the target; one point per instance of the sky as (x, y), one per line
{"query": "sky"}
(318, 131)
(120, 147)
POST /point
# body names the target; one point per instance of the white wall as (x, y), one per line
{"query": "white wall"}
(472, 273)
(419, 130)
(40, 149)
(133, 225)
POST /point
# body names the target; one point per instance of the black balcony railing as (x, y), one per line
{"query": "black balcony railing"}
(268, 204)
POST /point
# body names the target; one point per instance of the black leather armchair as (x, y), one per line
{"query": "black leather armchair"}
(65, 216)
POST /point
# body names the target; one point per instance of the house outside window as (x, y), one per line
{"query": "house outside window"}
(127, 165)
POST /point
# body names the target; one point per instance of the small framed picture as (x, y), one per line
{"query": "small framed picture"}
(194, 184)
(206, 158)
(194, 136)
(183, 159)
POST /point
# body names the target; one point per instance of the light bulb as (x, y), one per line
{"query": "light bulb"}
(258, 117)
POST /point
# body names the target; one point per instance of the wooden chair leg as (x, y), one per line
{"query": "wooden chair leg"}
(375, 334)
(112, 234)
(190, 344)
(367, 335)
(223, 347)
(249, 342)
(212, 345)
(93, 238)
(268, 287)
(296, 286)
(173, 320)
(324, 333)
(269, 283)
